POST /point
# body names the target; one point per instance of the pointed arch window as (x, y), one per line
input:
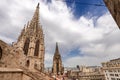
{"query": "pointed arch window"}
(0, 52)
(57, 67)
(26, 46)
(36, 52)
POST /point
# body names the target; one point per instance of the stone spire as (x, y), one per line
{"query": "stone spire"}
(57, 54)
(57, 62)
(33, 27)
(34, 23)
(31, 41)
(57, 49)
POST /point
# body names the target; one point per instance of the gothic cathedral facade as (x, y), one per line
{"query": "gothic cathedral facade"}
(29, 49)
(31, 41)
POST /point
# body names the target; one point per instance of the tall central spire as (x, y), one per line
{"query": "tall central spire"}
(36, 14)
(31, 41)
(35, 20)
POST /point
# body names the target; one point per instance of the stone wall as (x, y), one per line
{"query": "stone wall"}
(11, 56)
(114, 8)
(26, 77)
(10, 74)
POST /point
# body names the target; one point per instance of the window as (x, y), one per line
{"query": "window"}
(36, 52)
(0, 52)
(111, 74)
(27, 63)
(116, 75)
(112, 78)
(106, 74)
(57, 67)
(26, 46)
(118, 79)
(119, 70)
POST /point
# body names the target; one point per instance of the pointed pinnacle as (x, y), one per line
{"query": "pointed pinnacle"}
(57, 50)
(38, 5)
(34, 23)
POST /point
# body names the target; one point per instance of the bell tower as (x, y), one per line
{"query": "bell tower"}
(57, 62)
(31, 41)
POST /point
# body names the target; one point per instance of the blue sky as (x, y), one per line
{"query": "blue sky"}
(87, 7)
(85, 33)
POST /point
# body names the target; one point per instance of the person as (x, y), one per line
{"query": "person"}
(54, 76)
(73, 78)
(63, 78)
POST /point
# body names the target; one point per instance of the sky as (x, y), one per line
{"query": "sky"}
(86, 34)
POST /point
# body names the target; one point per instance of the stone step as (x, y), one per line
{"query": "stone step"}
(36, 75)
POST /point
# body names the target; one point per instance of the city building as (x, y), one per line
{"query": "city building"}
(85, 73)
(91, 73)
(112, 69)
(88, 69)
(91, 76)
(57, 62)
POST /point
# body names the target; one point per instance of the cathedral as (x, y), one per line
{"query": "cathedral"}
(24, 59)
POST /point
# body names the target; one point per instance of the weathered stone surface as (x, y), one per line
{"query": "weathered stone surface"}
(10, 74)
(11, 57)
(114, 8)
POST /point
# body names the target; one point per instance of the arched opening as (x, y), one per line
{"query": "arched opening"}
(57, 67)
(0, 52)
(36, 52)
(27, 63)
(26, 46)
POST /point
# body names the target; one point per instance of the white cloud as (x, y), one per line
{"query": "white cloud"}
(5, 39)
(97, 42)
(48, 59)
(89, 61)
